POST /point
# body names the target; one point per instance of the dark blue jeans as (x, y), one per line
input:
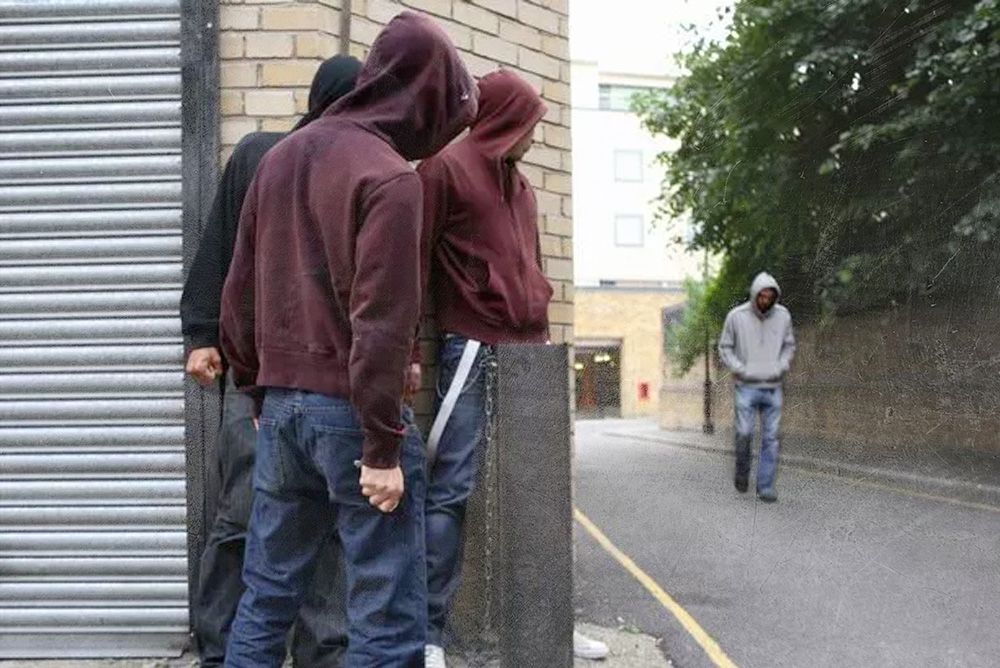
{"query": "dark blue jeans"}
(452, 480)
(306, 485)
(748, 400)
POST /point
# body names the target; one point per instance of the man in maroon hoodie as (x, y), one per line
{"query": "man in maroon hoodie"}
(318, 316)
(488, 287)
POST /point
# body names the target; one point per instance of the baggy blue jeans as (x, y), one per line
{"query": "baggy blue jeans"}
(748, 400)
(452, 480)
(306, 485)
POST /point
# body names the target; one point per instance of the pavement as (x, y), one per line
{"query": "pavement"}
(959, 473)
(629, 649)
(841, 571)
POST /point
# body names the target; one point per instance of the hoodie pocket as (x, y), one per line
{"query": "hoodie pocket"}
(538, 295)
(763, 372)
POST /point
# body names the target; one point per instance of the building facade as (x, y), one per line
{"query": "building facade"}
(629, 264)
(114, 117)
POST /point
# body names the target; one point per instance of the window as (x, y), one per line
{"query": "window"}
(629, 231)
(618, 98)
(628, 166)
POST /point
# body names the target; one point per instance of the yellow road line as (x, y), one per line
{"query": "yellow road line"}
(706, 642)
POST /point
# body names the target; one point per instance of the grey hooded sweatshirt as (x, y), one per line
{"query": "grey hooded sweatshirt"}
(758, 347)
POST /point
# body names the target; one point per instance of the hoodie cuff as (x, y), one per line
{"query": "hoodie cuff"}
(203, 340)
(381, 453)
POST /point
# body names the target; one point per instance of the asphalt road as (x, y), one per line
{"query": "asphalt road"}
(838, 573)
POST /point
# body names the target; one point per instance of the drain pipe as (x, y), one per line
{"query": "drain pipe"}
(345, 27)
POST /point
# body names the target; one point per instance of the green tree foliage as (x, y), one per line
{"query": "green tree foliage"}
(686, 340)
(850, 147)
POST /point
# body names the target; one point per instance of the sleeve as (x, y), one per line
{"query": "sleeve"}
(541, 267)
(787, 348)
(727, 347)
(385, 309)
(538, 249)
(237, 320)
(539, 259)
(435, 184)
(202, 295)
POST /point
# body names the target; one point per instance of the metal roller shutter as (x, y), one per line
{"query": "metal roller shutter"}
(93, 542)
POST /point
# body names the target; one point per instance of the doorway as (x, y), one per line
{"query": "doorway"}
(598, 380)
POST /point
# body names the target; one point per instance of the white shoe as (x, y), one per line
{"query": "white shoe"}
(586, 648)
(434, 657)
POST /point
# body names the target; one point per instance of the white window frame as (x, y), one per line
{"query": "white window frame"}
(630, 217)
(636, 154)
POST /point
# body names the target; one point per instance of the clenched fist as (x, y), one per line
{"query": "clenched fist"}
(205, 365)
(382, 487)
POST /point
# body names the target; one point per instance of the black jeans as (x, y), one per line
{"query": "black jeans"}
(320, 632)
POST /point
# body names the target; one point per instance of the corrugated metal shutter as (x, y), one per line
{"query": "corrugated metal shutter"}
(93, 547)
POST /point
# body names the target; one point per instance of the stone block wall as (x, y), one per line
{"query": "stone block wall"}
(880, 387)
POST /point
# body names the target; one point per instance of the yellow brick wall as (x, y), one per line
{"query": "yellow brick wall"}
(634, 318)
(269, 50)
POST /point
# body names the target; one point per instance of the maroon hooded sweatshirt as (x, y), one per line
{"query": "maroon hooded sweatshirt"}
(481, 224)
(324, 290)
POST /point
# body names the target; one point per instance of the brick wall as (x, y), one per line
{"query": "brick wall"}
(634, 318)
(269, 51)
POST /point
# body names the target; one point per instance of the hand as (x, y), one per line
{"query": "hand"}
(382, 487)
(412, 381)
(414, 378)
(205, 365)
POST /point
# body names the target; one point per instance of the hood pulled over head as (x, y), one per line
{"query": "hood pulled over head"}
(762, 282)
(334, 79)
(509, 108)
(413, 89)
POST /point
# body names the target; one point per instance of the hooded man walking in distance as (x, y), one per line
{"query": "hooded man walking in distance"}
(319, 313)
(320, 639)
(488, 287)
(757, 345)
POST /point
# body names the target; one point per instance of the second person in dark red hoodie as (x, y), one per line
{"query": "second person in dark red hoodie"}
(319, 309)
(488, 287)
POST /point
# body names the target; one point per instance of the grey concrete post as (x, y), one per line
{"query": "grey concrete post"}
(535, 507)
(518, 573)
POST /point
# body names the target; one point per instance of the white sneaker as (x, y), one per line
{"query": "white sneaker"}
(587, 648)
(434, 657)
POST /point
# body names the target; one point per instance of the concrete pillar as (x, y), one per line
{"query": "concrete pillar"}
(518, 578)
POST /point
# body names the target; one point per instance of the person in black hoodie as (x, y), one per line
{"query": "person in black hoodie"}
(320, 639)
